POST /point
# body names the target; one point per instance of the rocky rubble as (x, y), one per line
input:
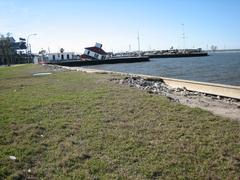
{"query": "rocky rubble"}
(159, 87)
(55, 68)
(155, 87)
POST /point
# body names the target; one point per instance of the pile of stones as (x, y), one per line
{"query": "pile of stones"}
(151, 86)
(159, 87)
(147, 85)
(55, 68)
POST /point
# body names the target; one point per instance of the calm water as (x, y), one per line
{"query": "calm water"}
(223, 68)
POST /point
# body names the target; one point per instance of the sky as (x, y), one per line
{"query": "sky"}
(75, 24)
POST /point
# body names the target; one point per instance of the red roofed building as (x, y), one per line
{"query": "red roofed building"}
(95, 52)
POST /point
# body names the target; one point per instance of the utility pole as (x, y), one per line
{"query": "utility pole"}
(150, 48)
(129, 48)
(138, 38)
(183, 36)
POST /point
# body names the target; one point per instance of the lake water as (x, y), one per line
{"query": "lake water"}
(223, 68)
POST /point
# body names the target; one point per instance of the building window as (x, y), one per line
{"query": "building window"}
(53, 57)
(62, 57)
(68, 56)
(96, 55)
(88, 52)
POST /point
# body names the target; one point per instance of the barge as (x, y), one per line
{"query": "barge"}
(115, 60)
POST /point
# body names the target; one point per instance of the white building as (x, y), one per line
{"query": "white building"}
(95, 52)
(61, 56)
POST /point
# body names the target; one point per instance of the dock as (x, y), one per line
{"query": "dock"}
(114, 60)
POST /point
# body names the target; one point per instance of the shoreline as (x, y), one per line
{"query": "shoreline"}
(218, 105)
(214, 89)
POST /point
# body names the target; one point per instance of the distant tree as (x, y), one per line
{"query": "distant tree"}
(5, 49)
(61, 50)
(42, 52)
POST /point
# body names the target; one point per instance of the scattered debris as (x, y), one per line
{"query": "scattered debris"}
(12, 158)
(224, 106)
(159, 87)
(84, 157)
(55, 68)
(156, 87)
(41, 74)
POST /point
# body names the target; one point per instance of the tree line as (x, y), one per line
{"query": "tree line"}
(9, 51)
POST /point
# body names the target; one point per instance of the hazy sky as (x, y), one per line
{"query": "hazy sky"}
(73, 24)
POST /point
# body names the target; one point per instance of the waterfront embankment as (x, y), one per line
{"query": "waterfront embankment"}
(220, 99)
(62, 124)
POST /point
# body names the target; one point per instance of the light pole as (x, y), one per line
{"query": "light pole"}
(28, 45)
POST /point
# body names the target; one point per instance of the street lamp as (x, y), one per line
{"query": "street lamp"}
(28, 45)
(28, 40)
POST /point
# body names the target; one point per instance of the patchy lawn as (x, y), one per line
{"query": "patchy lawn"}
(77, 125)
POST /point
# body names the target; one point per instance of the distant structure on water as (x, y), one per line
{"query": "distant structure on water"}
(91, 53)
(96, 52)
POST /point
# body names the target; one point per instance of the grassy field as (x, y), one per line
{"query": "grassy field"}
(83, 126)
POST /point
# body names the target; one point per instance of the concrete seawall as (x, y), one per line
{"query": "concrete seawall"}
(208, 88)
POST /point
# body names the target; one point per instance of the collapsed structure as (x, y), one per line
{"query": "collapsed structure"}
(95, 52)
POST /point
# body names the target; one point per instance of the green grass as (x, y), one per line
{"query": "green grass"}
(72, 125)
